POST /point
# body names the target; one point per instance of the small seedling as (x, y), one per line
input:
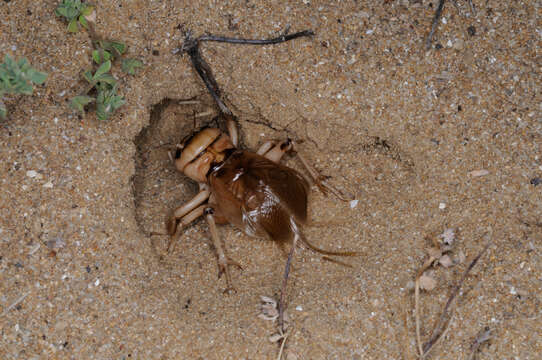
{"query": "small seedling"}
(17, 77)
(75, 13)
(130, 65)
(107, 50)
(107, 100)
(102, 86)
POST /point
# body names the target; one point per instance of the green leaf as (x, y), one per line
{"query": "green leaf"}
(101, 56)
(87, 10)
(130, 65)
(115, 47)
(72, 26)
(108, 79)
(61, 11)
(3, 110)
(83, 21)
(79, 102)
(88, 76)
(107, 102)
(38, 77)
(96, 56)
(105, 67)
(23, 88)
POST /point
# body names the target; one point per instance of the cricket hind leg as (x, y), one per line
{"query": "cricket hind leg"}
(274, 152)
(223, 260)
(319, 180)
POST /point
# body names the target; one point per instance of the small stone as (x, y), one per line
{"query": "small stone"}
(427, 283)
(536, 181)
(61, 325)
(410, 285)
(459, 45)
(299, 308)
(31, 173)
(446, 261)
(353, 204)
(48, 185)
(442, 206)
(471, 30)
(477, 173)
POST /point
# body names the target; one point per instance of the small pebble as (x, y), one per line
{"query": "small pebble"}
(477, 173)
(299, 308)
(536, 181)
(48, 185)
(446, 261)
(427, 282)
(471, 30)
(442, 206)
(31, 173)
(353, 203)
(459, 45)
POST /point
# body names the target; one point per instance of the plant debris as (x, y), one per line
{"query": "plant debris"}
(445, 317)
(483, 336)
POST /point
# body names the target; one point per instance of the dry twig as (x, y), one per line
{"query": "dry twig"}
(445, 316)
(434, 24)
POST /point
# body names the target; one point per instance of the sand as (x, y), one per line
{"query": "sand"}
(426, 141)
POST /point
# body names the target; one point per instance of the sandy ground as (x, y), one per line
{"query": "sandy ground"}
(399, 128)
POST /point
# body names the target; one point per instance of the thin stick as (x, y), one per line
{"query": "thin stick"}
(438, 331)
(424, 267)
(282, 346)
(276, 40)
(204, 71)
(434, 24)
(417, 311)
(472, 8)
(15, 303)
(284, 283)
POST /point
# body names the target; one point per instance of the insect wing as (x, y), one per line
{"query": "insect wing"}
(259, 196)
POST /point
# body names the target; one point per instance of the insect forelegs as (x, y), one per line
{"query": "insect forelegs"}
(185, 214)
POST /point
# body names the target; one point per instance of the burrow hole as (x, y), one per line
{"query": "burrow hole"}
(158, 187)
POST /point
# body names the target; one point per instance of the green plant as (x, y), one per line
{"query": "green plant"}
(130, 65)
(75, 12)
(106, 86)
(102, 86)
(17, 77)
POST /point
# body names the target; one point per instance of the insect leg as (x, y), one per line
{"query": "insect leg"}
(232, 130)
(223, 260)
(192, 204)
(178, 225)
(285, 283)
(266, 146)
(319, 180)
(275, 153)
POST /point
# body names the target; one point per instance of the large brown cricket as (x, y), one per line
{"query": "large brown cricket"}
(250, 190)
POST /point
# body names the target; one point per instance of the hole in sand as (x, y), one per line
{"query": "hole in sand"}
(158, 186)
